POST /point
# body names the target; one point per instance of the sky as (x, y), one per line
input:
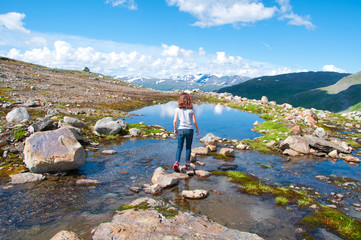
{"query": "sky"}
(168, 38)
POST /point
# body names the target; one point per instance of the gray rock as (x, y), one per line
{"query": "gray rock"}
(229, 152)
(333, 154)
(107, 126)
(264, 100)
(87, 182)
(324, 145)
(296, 143)
(241, 146)
(195, 194)
(65, 235)
(203, 173)
(150, 224)
(320, 132)
(43, 124)
(27, 177)
(109, 152)
(134, 132)
(75, 122)
(52, 112)
(210, 138)
(31, 104)
(290, 152)
(53, 151)
(154, 189)
(163, 179)
(200, 150)
(18, 115)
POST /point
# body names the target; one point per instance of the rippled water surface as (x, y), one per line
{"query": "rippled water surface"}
(40, 210)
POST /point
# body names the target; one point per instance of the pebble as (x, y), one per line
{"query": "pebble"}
(332, 206)
(87, 182)
(134, 189)
(200, 163)
(356, 205)
(109, 152)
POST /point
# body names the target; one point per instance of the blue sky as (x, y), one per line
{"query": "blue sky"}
(164, 38)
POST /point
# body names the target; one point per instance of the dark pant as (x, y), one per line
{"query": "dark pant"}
(186, 134)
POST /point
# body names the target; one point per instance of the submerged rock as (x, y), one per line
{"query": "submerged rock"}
(65, 235)
(27, 177)
(200, 151)
(229, 152)
(53, 151)
(195, 194)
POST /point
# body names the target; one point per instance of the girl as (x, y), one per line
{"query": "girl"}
(186, 116)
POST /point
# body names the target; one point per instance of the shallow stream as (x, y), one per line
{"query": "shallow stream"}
(40, 210)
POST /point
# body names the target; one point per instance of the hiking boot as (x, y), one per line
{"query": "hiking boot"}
(176, 167)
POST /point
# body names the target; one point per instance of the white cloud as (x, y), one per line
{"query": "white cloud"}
(294, 19)
(124, 3)
(163, 62)
(13, 22)
(219, 12)
(332, 68)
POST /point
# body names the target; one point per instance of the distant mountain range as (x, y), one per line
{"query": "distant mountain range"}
(321, 90)
(204, 82)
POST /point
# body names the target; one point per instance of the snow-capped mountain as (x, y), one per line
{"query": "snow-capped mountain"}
(205, 82)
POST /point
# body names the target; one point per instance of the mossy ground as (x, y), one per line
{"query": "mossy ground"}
(220, 156)
(164, 211)
(343, 183)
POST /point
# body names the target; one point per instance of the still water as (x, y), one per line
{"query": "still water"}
(40, 210)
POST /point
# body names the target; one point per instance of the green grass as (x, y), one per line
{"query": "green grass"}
(19, 133)
(262, 165)
(164, 211)
(335, 221)
(144, 128)
(282, 201)
(220, 156)
(210, 99)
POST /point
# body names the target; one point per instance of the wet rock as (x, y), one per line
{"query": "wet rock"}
(323, 145)
(349, 158)
(87, 182)
(18, 115)
(193, 157)
(134, 132)
(154, 189)
(296, 143)
(241, 146)
(149, 201)
(107, 126)
(152, 225)
(333, 154)
(200, 163)
(203, 173)
(26, 177)
(163, 179)
(195, 194)
(109, 152)
(356, 205)
(53, 151)
(210, 138)
(324, 234)
(290, 152)
(134, 189)
(229, 152)
(75, 122)
(200, 150)
(65, 235)
(212, 148)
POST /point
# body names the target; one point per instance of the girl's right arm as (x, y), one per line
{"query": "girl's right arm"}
(195, 123)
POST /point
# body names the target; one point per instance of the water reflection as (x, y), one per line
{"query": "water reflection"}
(220, 120)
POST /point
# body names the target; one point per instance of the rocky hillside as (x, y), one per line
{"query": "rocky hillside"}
(299, 89)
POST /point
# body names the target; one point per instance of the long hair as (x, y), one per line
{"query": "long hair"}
(185, 101)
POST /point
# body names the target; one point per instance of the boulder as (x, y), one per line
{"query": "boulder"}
(75, 122)
(153, 224)
(212, 148)
(349, 158)
(43, 124)
(229, 152)
(333, 154)
(65, 235)
(107, 126)
(195, 194)
(134, 132)
(26, 177)
(241, 146)
(163, 179)
(53, 151)
(296, 143)
(324, 145)
(200, 151)
(210, 138)
(154, 189)
(290, 152)
(18, 115)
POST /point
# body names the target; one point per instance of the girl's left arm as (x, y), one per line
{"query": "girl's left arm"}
(175, 123)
